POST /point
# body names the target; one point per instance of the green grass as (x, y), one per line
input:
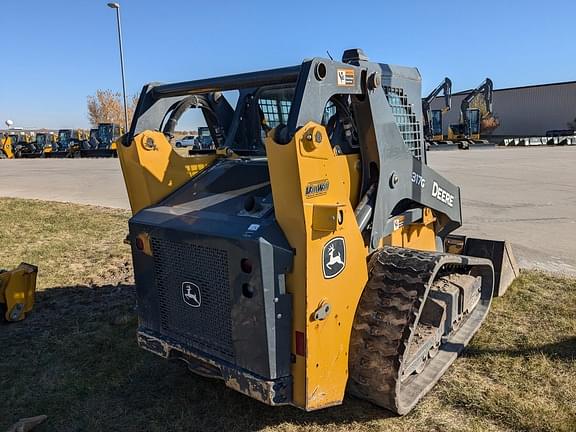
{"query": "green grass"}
(75, 358)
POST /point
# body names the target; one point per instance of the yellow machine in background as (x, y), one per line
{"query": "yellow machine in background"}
(102, 141)
(6, 147)
(433, 118)
(43, 142)
(69, 143)
(476, 117)
(17, 289)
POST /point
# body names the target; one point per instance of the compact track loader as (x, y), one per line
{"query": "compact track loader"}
(306, 255)
(35, 148)
(17, 288)
(68, 144)
(102, 142)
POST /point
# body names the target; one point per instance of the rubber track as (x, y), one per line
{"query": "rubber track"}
(385, 320)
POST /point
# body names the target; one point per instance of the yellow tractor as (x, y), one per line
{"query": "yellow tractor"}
(17, 288)
(307, 254)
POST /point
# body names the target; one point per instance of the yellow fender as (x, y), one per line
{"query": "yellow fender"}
(17, 288)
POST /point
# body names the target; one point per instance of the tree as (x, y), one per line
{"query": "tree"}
(106, 107)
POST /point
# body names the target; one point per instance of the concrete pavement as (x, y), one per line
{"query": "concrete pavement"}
(83, 181)
(525, 195)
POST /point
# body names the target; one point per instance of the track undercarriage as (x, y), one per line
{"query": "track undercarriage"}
(418, 311)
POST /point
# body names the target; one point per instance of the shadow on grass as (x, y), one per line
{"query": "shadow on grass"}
(75, 359)
(563, 350)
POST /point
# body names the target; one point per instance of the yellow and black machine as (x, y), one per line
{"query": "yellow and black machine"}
(307, 254)
(35, 148)
(68, 144)
(17, 289)
(14, 143)
(476, 114)
(433, 133)
(102, 142)
(7, 146)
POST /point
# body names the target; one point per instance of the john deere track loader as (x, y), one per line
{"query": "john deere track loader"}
(68, 144)
(35, 148)
(305, 256)
(103, 142)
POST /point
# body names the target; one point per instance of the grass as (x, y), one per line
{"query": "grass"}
(75, 358)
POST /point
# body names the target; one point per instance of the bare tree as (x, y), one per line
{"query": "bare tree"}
(106, 107)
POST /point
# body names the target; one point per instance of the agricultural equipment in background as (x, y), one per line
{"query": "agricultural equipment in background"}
(13, 143)
(476, 117)
(306, 254)
(6, 146)
(433, 118)
(103, 141)
(17, 288)
(35, 148)
(204, 138)
(69, 143)
(93, 138)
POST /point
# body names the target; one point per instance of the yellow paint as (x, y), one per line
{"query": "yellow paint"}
(152, 169)
(438, 137)
(420, 236)
(7, 147)
(319, 378)
(17, 288)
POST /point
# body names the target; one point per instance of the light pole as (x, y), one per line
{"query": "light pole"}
(117, 7)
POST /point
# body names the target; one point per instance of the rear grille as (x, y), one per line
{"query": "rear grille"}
(208, 327)
(406, 120)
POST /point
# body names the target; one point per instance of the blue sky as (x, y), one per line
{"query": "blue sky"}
(56, 53)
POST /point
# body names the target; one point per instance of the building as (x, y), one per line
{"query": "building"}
(523, 111)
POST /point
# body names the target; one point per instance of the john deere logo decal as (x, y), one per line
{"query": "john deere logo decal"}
(333, 257)
(191, 294)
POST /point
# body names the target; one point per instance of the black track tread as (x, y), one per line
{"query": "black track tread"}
(385, 319)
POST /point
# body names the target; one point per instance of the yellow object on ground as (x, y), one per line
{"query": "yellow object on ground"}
(17, 289)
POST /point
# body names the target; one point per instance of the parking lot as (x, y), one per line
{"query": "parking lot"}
(525, 195)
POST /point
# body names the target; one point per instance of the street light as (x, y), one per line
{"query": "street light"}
(117, 7)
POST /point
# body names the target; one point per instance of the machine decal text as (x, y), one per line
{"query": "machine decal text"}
(418, 180)
(442, 195)
(317, 188)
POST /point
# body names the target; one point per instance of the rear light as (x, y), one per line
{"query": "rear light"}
(246, 265)
(300, 344)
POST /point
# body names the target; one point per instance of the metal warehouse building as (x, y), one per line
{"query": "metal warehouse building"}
(523, 111)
